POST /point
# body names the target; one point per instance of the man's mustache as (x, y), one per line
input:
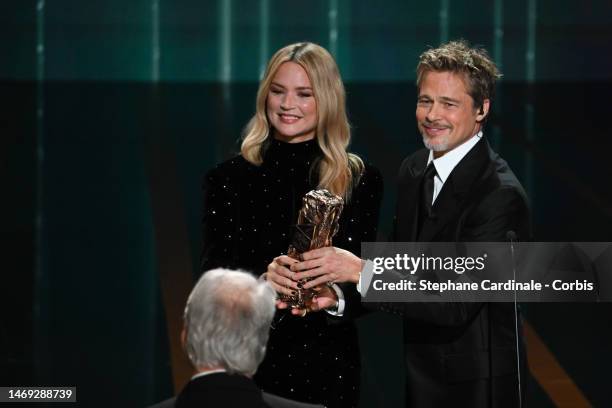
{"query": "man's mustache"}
(435, 124)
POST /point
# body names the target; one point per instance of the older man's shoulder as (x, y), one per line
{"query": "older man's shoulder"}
(274, 401)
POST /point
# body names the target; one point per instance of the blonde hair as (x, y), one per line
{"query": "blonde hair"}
(338, 170)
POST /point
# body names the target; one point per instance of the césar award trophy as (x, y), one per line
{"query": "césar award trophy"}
(317, 223)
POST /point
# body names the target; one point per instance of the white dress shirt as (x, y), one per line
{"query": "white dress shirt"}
(340, 294)
(444, 165)
(204, 373)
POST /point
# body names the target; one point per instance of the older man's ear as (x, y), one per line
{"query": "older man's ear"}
(184, 338)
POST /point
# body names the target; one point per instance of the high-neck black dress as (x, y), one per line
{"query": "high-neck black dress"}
(247, 217)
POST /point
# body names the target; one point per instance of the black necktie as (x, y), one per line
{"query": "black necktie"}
(427, 189)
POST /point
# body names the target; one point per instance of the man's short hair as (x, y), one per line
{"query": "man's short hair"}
(479, 71)
(227, 319)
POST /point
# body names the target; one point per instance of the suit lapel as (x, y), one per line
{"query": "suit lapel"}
(451, 200)
(407, 211)
(414, 191)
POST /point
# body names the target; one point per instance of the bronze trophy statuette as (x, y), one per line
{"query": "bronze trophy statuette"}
(317, 223)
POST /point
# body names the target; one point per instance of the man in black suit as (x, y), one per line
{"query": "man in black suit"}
(226, 325)
(455, 190)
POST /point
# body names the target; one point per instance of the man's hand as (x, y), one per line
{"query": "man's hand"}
(327, 265)
(325, 298)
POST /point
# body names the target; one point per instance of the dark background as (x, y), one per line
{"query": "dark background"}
(102, 98)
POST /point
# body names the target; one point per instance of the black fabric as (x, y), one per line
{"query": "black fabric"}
(461, 354)
(248, 216)
(427, 190)
(223, 390)
(220, 390)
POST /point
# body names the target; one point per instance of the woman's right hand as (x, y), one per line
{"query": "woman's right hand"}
(279, 276)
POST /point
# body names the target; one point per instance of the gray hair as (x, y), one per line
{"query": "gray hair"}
(227, 318)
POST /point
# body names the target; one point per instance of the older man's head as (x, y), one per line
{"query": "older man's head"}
(227, 321)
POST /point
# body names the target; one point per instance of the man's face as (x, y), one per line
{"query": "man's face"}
(445, 112)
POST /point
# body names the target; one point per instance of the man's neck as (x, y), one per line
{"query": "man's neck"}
(207, 369)
(203, 371)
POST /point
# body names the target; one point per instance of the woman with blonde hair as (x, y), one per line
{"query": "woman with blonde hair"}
(296, 141)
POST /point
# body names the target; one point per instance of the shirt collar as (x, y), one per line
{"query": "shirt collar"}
(203, 373)
(444, 165)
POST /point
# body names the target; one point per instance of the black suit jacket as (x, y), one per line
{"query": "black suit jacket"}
(227, 391)
(461, 354)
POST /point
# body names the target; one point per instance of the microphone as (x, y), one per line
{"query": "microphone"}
(512, 237)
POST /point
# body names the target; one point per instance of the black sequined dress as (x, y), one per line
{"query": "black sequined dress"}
(247, 214)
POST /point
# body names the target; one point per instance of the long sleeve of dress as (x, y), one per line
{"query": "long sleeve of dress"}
(219, 218)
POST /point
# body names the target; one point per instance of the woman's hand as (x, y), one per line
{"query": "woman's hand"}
(327, 265)
(280, 277)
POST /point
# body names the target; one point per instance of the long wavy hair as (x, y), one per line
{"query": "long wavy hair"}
(338, 170)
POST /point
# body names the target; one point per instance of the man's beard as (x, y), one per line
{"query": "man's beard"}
(437, 147)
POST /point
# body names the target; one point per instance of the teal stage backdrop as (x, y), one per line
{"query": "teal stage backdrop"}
(115, 109)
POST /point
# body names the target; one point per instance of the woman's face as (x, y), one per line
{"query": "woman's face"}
(291, 106)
